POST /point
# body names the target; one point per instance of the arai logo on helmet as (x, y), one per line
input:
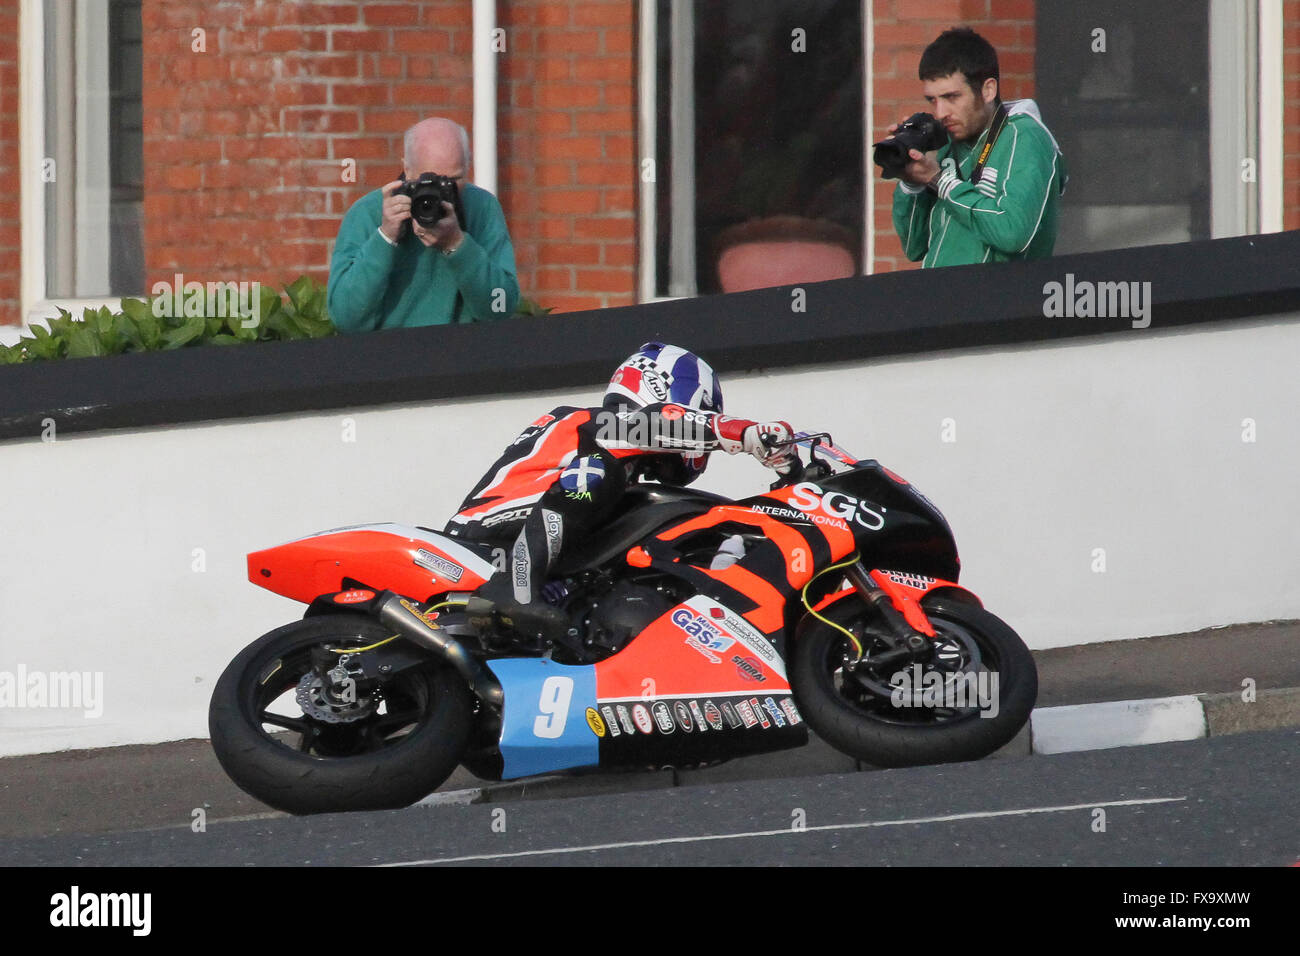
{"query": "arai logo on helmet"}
(810, 498)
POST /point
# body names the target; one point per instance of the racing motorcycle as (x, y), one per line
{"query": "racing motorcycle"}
(702, 629)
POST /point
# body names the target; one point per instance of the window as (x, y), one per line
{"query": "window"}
(93, 244)
(1155, 106)
(757, 114)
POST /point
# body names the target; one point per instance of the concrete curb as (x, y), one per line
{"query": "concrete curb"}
(1051, 730)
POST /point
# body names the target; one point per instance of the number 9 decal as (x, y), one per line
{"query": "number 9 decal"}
(554, 707)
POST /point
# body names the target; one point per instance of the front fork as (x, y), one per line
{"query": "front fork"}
(909, 633)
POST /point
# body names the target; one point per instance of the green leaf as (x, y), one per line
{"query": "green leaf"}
(300, 291)
(11, 354)
(224, 339)
(135, 308)
(187, 333)
(83, 342)
(128, 332)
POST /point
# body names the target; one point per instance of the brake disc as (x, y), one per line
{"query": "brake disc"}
(318, 703)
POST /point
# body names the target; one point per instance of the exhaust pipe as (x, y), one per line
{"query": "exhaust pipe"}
(404, 617)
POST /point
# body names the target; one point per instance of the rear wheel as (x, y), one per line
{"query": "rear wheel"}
(971, 696)
(289, 738)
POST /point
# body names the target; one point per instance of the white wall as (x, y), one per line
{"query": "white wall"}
(1133, 444)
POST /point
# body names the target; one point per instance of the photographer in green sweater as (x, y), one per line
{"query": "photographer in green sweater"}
(991, 192)
(390, 270)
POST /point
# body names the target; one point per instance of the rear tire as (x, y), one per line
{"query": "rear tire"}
(403, 739)
(858, 713)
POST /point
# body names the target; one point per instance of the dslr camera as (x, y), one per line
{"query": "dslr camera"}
(428, 192)
(920, 131)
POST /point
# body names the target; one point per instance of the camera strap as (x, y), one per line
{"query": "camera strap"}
(995, 129)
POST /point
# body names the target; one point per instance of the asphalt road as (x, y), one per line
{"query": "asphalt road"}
(1221, 801)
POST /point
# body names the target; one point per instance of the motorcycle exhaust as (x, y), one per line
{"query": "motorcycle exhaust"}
(404, 617)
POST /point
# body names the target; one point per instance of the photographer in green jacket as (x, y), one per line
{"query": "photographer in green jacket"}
(992, 192)
(389, 270)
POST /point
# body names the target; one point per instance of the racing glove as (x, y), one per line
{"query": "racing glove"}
(738, 434)
(780, 460)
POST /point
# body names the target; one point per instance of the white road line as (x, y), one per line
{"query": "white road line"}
(787, 831)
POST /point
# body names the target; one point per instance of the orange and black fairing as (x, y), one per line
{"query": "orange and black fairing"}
(782, 555)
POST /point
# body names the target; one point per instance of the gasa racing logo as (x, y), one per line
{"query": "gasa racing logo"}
(702, 634)
(811, 500)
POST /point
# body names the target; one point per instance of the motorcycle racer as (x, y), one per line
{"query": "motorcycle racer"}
(563, 477)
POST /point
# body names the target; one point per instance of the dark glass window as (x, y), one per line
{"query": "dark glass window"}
(777, 131)
(1133, 121)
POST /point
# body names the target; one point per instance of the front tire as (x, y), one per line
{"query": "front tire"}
(282, 742)
(865, 714)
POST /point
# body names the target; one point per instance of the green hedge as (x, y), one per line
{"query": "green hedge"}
(299, 313)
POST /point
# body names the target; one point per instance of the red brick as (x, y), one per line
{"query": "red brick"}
(390, 121)
(1011, 10)
(577, 253)
(184, 177)
(590, 227)
(620, 96)
(290, 39)
(603, 14)
(617, 200)
(376, 40)
(554, 14)
(556, 228)
(619, 253)
(568, 201)
(620, 148)
(605, 174)
(555, 174)
(605, 69)
(373, 147)
(551, 278)
(390, 14)
(603, 121)
(312, 120)
(320, 13)
(574, 147)
(616, 41)
(568, 43)
(362, 94)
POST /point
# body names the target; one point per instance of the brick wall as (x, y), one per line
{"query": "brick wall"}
(567, 135)
(1291, 94)
(903, 29)
(10, 215)
(245, 144)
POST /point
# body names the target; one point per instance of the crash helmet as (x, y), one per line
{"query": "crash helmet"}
(657, 373)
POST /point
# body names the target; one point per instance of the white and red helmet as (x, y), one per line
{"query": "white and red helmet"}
(657, 373)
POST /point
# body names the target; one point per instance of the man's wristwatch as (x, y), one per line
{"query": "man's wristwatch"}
(933, 184)
(452, 249)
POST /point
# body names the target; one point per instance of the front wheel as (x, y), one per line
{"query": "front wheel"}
(971, 696)
(290, 739)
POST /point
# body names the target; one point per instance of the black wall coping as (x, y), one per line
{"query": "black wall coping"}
(846, 319)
